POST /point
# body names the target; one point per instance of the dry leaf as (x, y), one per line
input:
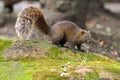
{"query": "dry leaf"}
(102, 17)
(101, 43)
(114, 53)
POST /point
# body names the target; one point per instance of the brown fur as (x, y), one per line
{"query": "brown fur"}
(60, 33)
(30, 16)
(66, 31)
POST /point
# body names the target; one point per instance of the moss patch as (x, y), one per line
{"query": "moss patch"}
(108, 65)
(4, 44)
(50, 67)
(91, 76)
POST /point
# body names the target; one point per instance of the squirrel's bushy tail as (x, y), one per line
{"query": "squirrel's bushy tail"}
(29, 17)
(23, 27)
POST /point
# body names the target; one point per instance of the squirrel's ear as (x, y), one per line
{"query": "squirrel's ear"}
(82, 32)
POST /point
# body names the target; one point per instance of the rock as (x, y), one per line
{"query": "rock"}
(22, 50)
(83, 71)
(65, 75)
(105, 76)
(113, 7)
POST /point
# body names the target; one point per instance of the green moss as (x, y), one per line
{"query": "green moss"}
(92, 76)
(63, 53)
(4, 44)
(55, 52)
(111, 66)
(46, 75)
(13, 71)
(42, 43)
(40, 68)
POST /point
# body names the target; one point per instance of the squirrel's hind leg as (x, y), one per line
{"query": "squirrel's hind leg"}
(62, 41)
(58, 38)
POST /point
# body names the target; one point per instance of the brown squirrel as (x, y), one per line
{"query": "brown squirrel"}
(59, 33)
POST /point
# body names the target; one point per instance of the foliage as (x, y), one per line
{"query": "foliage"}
(4, 44)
